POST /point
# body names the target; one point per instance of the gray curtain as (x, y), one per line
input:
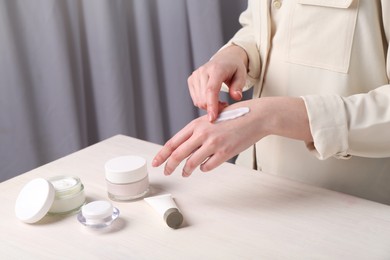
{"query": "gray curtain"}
(74, 72)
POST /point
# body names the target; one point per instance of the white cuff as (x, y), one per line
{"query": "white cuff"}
(328, 126)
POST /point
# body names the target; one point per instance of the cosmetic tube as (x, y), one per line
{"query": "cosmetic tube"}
(167, 209)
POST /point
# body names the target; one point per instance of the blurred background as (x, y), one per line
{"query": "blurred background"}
(75, 72)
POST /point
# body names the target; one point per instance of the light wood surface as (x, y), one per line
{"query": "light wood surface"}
(230, 213)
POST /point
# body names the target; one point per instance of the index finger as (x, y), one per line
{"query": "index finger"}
(212, 97)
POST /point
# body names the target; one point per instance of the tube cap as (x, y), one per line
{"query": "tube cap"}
(34, 200)
(173, 218)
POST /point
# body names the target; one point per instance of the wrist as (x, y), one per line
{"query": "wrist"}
(242, 54)
(285, 116)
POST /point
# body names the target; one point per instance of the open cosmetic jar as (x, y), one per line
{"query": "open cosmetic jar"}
(126, 178)
(69, 194)
(57, 195)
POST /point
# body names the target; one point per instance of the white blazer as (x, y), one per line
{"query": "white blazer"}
(335, 55)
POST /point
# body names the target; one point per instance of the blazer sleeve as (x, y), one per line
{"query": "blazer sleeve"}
(356, 125)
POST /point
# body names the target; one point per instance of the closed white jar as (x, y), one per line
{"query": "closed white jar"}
(126, 178)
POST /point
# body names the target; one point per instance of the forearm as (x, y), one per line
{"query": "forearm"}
(282, 116)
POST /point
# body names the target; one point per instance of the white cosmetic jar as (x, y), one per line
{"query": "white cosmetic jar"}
(69, 194)
(126, 178)
(58, 195)
(98, 214)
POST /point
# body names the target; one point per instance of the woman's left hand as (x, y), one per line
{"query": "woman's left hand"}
(207, 144)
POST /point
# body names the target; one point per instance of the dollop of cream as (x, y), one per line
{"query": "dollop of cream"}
(232, 114)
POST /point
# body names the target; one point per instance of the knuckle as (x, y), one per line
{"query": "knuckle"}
(170, 146)
(213, 67)
(203, 135)
(214, 141)
(176, 157)
(202, 69)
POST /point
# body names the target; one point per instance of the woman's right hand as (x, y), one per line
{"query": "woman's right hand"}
(228, 66)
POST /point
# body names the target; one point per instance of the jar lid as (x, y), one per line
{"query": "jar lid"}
(97, 210)
(125, 169)
(34, 200)
(98, 214)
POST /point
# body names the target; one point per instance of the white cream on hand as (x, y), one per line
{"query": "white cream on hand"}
(232, 114)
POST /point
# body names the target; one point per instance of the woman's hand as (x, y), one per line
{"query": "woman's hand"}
(228, 66)
(208, 145)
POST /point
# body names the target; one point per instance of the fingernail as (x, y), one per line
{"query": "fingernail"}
(154, 163)
(166, 172)
(211, 116)
(239, 93)
(185, 174)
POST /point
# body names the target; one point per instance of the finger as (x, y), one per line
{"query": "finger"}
(213, 162)
(180, 154)
(197, 158)
(236, 85)
(203, 81)
(212, 97)
(195, 90)
(235, 94)
(191, 87)
(222, 106)
(171, 145)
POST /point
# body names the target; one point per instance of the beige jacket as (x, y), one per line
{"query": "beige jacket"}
(335, 55)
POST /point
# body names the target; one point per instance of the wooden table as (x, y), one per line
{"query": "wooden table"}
(230, 213)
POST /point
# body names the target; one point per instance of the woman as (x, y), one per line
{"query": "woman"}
(320, 72)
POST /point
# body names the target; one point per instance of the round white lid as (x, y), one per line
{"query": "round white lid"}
(126, 169)
(34, 200)
(100, 209)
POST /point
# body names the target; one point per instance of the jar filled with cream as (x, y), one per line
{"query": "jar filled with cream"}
(69, 194)
(126, 178)
(57, 195)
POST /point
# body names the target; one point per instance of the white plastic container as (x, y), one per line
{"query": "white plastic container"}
(69, 194)
(58, 195)
(98, 214)
(126, 178)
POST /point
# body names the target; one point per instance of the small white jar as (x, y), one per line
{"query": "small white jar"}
(126, 178)
(98, 214)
